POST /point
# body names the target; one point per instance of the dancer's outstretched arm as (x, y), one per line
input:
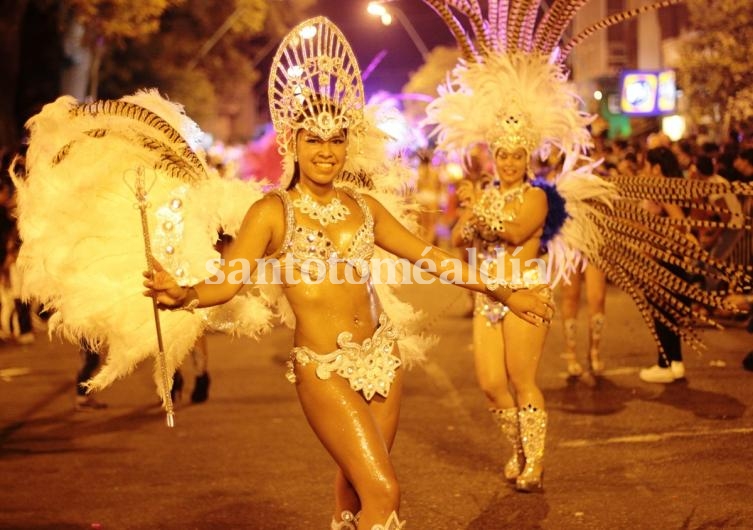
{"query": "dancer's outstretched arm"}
(532, 305)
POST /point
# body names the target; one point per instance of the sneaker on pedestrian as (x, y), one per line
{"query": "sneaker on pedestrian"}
(89, 403)
(660, 374)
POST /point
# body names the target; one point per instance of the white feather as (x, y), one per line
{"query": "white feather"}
(83, 247)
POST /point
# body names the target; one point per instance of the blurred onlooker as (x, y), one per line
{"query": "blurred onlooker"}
(658, 139)
(744, 165)
(710, 149)
(684, 153)
(15, 315)
(662, 163)
(744, 302)
(628, 165)
(720, 241)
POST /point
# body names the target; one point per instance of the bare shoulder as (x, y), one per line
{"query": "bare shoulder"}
(270, 205)
(536, 204)
(266, 213)
(535, 192)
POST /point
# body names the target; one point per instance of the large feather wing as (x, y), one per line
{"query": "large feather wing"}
(83, 245)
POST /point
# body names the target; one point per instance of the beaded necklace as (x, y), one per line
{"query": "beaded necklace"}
(332, 212)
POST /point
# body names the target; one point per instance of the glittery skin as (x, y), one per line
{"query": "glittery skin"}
(507, 420)
(369, 367)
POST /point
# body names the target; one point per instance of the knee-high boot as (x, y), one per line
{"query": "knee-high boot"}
(392, 523)
(595, 328)
(532, 436)
(348, 521)
(573, 367)
(507, 419)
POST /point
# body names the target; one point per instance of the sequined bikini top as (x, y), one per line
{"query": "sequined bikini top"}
(307, 243)
(492, 210)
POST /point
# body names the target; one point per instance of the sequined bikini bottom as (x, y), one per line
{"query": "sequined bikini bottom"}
(370, 367)
(495, 311)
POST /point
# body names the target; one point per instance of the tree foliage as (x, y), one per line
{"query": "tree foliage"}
(116, 21)
(204, 55)
(716, 64)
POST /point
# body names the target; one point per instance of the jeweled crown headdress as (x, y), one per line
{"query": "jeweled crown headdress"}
(314, 83)
(512, 130)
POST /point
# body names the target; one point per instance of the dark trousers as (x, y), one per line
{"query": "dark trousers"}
(671, 343)
(90, 362)
(669, 340)
(24, 317)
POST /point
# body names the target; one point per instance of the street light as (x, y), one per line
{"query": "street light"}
(378, 9)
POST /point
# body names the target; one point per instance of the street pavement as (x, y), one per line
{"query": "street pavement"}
(620, 453)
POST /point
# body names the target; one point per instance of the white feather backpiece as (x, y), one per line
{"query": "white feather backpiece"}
(83, 248)
(588, 198)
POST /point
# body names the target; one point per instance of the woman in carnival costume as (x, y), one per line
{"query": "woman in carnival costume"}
(510, 92)
(346, 363)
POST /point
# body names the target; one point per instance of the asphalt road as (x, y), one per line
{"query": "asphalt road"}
(620, 453)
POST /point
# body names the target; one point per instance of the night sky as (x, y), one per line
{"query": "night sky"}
(369, 37)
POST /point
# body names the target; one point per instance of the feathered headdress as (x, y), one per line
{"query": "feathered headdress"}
(510, 89)
(315, 84)
(509, 101)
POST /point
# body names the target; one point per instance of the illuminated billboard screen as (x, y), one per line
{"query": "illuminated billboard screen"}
(648, 92)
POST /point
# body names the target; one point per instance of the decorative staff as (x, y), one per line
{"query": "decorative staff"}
(139, 189)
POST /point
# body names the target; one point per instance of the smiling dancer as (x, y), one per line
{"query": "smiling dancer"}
(346, 366)
(510, 92)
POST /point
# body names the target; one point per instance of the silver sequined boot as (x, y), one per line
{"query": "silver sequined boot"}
(574, 369)
(507, 419)
(595, 328)
(392, 523)
(532, 437)
(347, 521)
